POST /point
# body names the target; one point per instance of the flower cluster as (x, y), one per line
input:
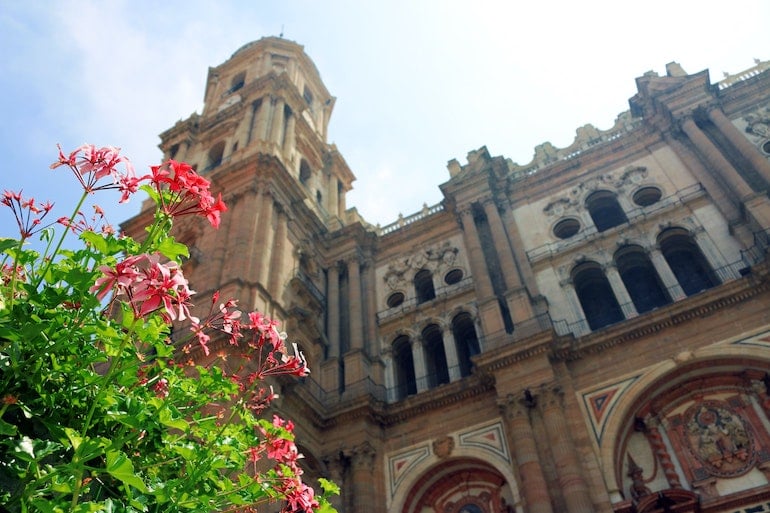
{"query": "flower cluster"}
(188, 192)
(90, 164)
(96, 413)
(148, 286)
(29, 216)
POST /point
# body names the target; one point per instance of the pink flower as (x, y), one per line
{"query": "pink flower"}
(189, 192)
(161, 388)
(29, 216)
(90, 164)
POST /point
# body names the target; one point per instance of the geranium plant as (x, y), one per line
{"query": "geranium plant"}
(99, 409)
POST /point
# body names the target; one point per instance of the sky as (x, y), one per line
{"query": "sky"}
(417, 83)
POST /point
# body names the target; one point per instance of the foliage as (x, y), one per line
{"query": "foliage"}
(99, 410)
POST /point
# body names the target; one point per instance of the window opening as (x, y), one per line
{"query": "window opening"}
(466, 342)
(686, 260)
(453, 276)
(435, 356)
(215, 155)
(647, 196)
(566, 228)
(406, 383)
(641, 279)
(423, 285)
(304, 172)
(596, 297)
(395, 299)
(605, 210)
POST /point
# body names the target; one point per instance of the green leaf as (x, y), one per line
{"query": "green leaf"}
(6, 428)
(172, 249)
(96, 240)
(6, 243)
(176, 423)
(121, 468)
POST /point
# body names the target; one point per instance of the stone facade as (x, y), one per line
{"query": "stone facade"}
(589, 332)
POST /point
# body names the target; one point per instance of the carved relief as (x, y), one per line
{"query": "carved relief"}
(758, 123)
(719, 439)
(443, 447)
(432, 258)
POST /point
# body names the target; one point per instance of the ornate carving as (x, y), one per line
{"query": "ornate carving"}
(432, 258)
(637, 489)
(443, 447)
(719, 439)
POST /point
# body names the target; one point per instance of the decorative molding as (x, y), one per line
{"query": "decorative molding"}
(490, 438)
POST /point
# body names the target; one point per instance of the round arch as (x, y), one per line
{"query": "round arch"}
(458, 482)
(673, 380)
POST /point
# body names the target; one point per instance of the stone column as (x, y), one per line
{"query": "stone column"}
(370, 290)
(333, 312)
(260, 127)
(476, 255)
(276, 124)
(659, 448)
(450, 350)
(362, 463)
(512, 228)
(275, 275)
(577, 309)
(715, 157)
(666, 274)
(420, 370)
(568, 468)
(356, 307)
(336, 469)
(724, 201)
(743, 145)
(289, 136)
(333, 195)
(713, 256)
(390, 374)
(502, 246)
(620, 291)
(521, 438)
(264, 234)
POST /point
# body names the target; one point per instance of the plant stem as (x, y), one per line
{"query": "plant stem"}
(61, 240)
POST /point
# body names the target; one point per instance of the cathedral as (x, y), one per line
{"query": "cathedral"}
(587, 332)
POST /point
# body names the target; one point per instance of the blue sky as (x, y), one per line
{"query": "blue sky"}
(417, 82)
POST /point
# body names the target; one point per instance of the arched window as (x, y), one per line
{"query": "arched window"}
(640, 278)
(423, 286)
(238, 82)
(595, 295)
(435, 356)
(605, 210)
(406, 383)
(686, 260)
(466, 341)
(304, 172)
(215, 155)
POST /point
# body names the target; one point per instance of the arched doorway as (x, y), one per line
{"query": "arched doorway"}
(462, 485)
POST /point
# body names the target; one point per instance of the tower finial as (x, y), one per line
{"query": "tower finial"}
(281, 34)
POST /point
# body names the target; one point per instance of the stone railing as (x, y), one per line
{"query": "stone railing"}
(405, 221)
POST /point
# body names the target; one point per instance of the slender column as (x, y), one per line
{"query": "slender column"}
(666, 274)
(713, 256)
(577, 309)
(420, 370)
(533, 486)
(659, 448)
(476, 255)
(336, 467)
(743, 145)
(621, 292)
(260, 127)
(362, 462)
(512, 228)
(390, 374)
(371, 307)
(333, 195)
(450, 350)
(276, 125)
(356, 308)
(265, 226)
(724, 201)
(333, 305)
(275, 277)
(266, 246)
(502, 246)
(568, 469)
(289, 135)
(715, 157)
